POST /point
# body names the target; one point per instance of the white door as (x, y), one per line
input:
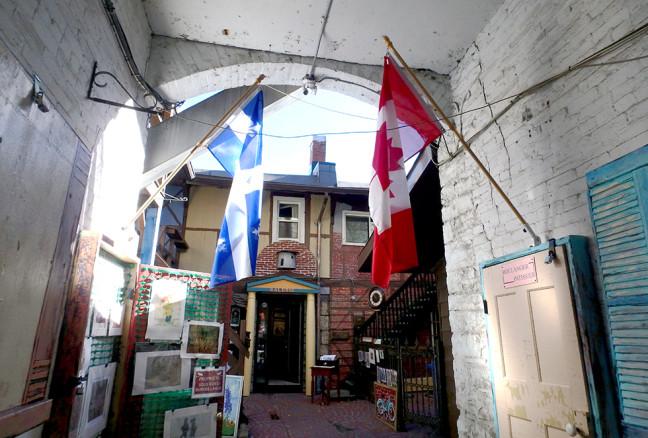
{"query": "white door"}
(538, 373)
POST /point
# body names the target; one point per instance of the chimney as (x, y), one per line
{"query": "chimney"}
(318, 149)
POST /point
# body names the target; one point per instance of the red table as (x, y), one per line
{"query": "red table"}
(327, 372)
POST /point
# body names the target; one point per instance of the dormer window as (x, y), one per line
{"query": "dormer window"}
(288, 219)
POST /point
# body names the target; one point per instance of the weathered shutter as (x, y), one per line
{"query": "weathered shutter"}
(618, 199)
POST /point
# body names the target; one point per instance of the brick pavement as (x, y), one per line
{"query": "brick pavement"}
(298, 418)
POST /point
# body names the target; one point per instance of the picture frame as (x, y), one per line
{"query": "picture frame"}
(386, 404)
(202, 339)
(208, 382)
(232, 405)
(96, 400)
(194, 421)
(160, 371)
(166, 310)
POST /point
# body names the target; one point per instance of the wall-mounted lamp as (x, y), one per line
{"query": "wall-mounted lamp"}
(39, 95)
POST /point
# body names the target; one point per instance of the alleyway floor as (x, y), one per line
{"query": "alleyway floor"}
(298, 418)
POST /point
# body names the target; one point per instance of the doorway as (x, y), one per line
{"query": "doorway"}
(279, 344)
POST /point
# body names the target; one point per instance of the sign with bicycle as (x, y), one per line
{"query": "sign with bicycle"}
(386, 403)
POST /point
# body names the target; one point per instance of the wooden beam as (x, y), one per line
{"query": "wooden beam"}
(22, 418)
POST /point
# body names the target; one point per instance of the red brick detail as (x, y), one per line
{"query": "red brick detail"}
(344, 260)
(318, 149)
(306, 263)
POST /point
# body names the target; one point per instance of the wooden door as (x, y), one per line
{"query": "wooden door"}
(534, 349)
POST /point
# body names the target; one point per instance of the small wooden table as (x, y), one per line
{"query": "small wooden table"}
(327, 372)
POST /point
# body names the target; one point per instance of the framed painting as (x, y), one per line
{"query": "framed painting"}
(232, 405)
(160, 371)
(202, 340)
(386, 404)
(166, 310)
(96, 402)
(195, 422)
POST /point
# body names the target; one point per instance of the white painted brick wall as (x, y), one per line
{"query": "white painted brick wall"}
(183, 69)
(60, 39)
(577, 124)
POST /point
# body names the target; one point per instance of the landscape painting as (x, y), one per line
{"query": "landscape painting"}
(160, 371)
(202, 339)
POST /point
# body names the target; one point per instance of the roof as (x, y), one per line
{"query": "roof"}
(321, 181)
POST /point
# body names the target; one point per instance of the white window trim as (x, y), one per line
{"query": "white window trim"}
(347, 213)
(301, 202)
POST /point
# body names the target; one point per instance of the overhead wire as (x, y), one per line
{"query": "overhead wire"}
(513, 98)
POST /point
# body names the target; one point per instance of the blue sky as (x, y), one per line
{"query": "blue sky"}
(352, 153)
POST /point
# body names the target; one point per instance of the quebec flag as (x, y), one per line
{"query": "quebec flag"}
(238, 148)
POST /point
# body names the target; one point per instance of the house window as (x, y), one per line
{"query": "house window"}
(288, 219)
(356, 228)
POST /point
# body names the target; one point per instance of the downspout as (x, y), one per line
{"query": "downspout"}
(319, 237)
(319, 262)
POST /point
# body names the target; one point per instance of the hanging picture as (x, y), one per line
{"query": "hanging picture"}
(166, 310)
(202, 340)
(195, 422)
(107, 287)
(77, 409)
(100, 318)
(208, 382)
(232, 405)
(372, 356)
(115, 318)
(96, 402)
(160, 371)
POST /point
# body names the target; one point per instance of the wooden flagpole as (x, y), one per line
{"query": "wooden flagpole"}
(199, 145)
(464, 143)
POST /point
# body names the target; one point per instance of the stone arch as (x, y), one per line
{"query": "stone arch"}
(181, 69)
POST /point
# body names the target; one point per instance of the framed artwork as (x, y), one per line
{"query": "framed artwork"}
(96, 402)
(77, 408)
(160, 371)
(108, 307)
(208, 382)
(100, 318)
(115, 319)
(166, 310)
(372, 356)
(386, 404)
(195, 422)
(232, 405)
(202, 340)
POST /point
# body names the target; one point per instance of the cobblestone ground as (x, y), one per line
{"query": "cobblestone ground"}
(298, 418)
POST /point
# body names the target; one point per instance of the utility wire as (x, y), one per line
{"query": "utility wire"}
(514, 98)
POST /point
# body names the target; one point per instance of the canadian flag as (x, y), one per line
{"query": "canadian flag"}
(404, 128)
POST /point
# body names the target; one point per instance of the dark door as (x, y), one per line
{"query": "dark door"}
(282, 368)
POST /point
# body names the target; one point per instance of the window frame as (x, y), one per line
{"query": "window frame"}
(301, 223)
(354, 213)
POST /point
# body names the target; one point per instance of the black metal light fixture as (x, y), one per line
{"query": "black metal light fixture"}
(38, 95)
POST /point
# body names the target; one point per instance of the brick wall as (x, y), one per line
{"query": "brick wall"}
(539, 152)
(306, 263)
(344, 260)
(344, 303)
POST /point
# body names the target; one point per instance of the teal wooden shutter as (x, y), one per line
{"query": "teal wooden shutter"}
(618, 199)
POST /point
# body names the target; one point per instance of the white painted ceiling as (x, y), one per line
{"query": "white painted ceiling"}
(431, 34)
